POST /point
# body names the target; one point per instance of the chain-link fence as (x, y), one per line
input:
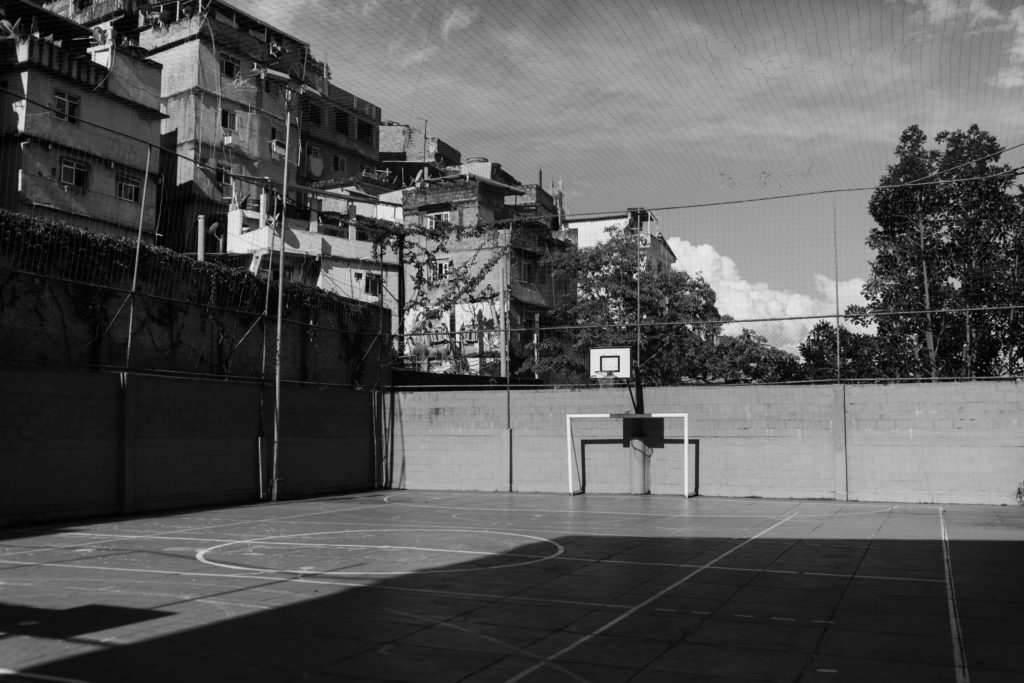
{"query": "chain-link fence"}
(918, 278)
(66, 299)
(854, 296)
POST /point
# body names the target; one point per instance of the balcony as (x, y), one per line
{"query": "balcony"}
(43, 54)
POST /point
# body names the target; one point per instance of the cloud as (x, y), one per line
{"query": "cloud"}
(457, 20)
(1012, 75)
(976, 11)
(744, 300)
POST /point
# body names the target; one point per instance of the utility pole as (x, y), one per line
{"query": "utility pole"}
(280, 297)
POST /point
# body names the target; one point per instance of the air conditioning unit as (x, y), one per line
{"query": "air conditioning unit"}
(229, 140)
(276, 148)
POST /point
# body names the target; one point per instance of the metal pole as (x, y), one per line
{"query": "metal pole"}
(835, 247)
(138, 250)
(503, 305)
(280, 298)
(638, 267)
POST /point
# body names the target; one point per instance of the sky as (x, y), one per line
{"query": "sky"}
(674, 104)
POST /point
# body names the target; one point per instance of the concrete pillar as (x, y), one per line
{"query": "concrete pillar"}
(639, 466)
(839, 441)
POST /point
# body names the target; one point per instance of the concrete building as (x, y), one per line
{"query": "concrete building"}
(332, 249)
(514, 294)
(406, 154)
(80, 117)
(589, 231)
(229, 79)
(339, 136)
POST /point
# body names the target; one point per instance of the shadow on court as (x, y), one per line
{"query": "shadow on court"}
(762, 606)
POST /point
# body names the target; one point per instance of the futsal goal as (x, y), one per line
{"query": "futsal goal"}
(630, 453)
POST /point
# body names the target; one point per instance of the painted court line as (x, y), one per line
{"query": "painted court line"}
(959, 655)
(633, 610)
(497, 641)
(559, 549)
(265, 579)
(38, 677)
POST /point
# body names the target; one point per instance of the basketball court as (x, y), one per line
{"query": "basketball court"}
(412, 586)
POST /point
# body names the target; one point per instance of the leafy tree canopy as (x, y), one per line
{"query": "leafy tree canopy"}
(681, 337)
(948, 240)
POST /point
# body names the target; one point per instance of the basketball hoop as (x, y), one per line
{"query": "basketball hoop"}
(605, 380)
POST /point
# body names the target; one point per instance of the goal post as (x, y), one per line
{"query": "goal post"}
(574, 460)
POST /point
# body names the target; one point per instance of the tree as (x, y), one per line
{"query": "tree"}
(749, 358)
(681, 336)
(948, 243)
(862, 355)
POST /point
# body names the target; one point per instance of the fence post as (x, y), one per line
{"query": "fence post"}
(138, 250)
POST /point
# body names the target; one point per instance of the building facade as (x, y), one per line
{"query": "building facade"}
(231, 84)
(79, 125)
(494, 285)
(332, 249)
(589, 231)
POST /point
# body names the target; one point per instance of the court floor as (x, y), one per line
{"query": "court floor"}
(423, 586)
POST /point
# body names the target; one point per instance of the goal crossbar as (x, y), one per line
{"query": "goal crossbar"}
(625, 416)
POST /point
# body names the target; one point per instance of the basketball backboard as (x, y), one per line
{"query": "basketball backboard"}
(613, 362)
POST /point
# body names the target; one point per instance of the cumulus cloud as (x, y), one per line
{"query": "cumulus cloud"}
(745, 300)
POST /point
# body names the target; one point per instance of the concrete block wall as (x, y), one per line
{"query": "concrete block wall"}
(456, 440)
(76, 444)
(755, 441)
(768, 441)
(940, 443)
(327, 441)
(59, 436)
(936, 443)
(190, 442)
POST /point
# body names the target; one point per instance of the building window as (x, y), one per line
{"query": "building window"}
(373, 284)
(313, 163)
(128, 189)
(440, 271)
(315, 115)
(223, 174)
(434, 220)
(74, 173)
(228, 120)
(229, 66)
(364, 132)
(341, 122)
(338, 163)
(273, 133)
(65, 106)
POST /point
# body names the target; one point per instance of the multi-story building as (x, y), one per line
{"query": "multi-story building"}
(332, 249)
(79, 124)
(486, 330)
(230, 80)
(589, 231)
(338, 136)
(407, 154)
